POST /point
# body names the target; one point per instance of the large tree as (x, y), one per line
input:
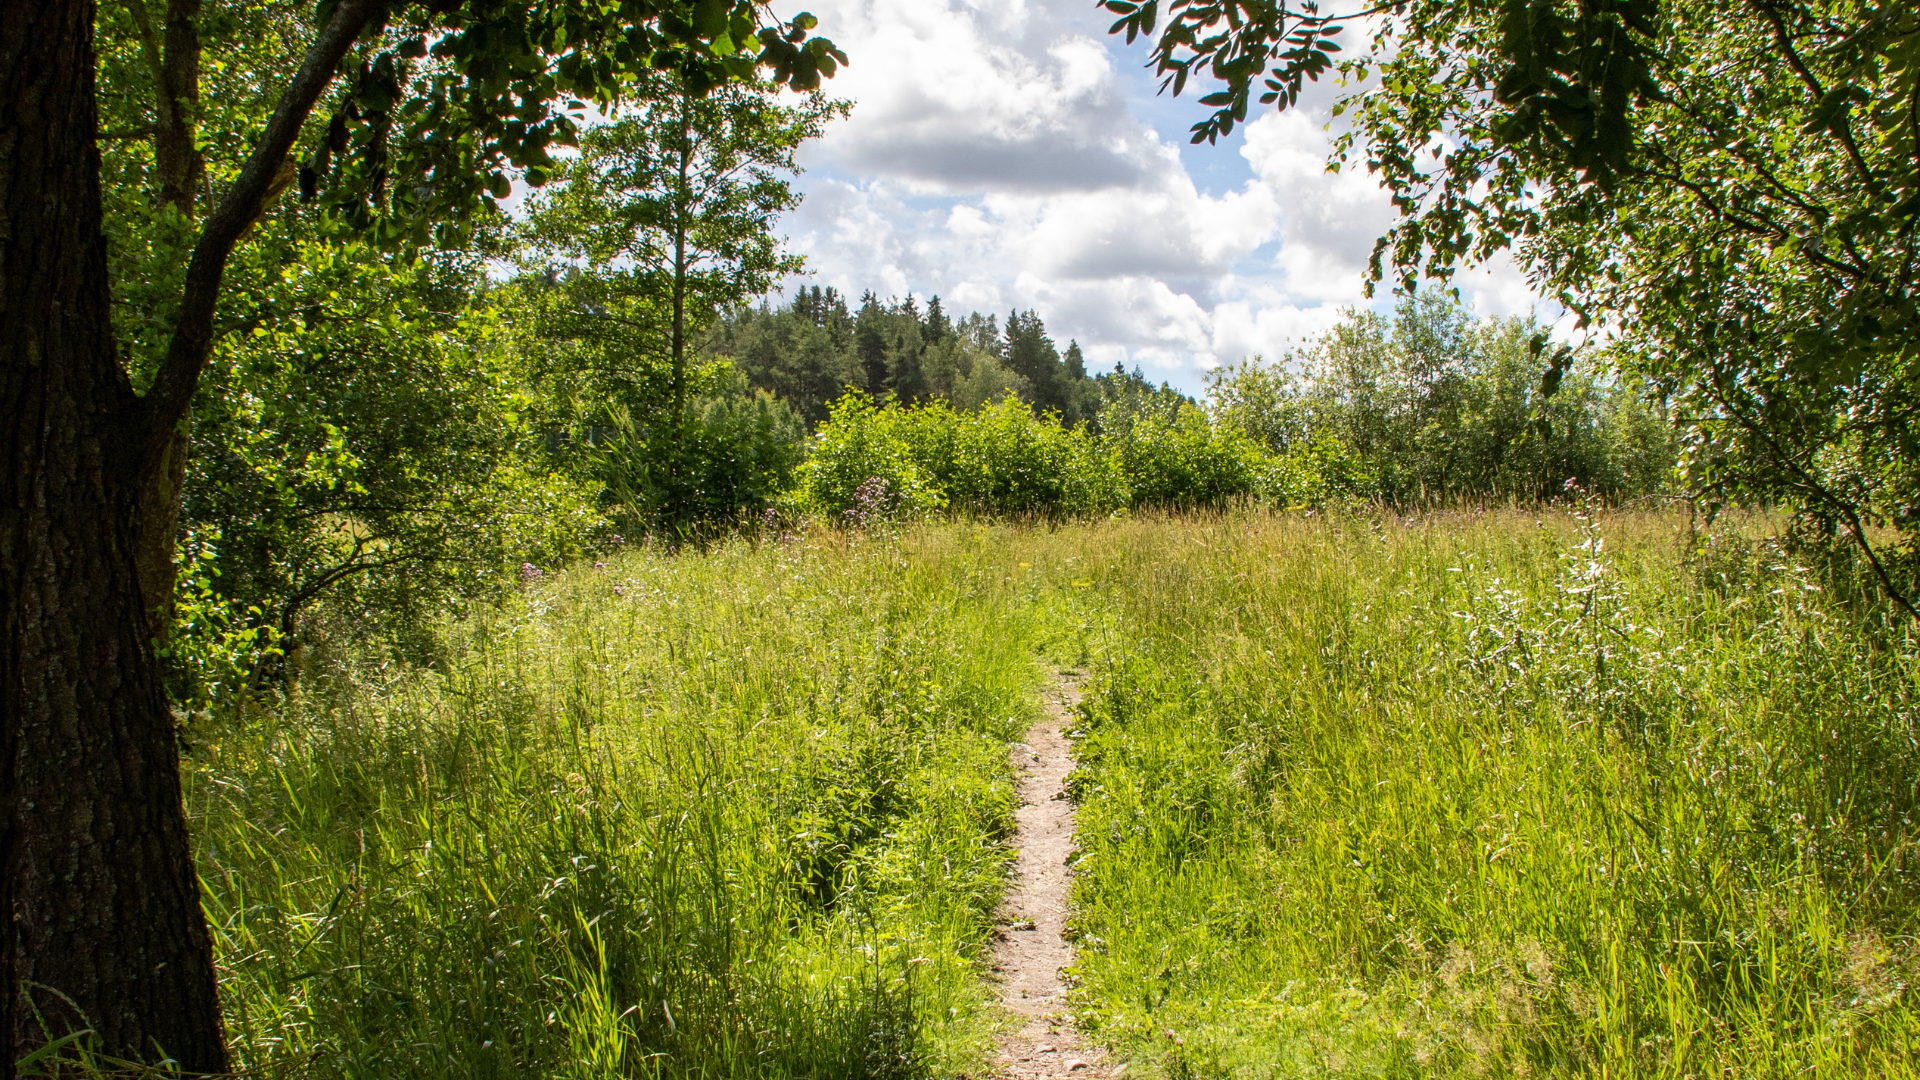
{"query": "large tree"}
(433, 107)
(1732, 188)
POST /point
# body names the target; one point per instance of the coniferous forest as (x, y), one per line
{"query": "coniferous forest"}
(478, 606)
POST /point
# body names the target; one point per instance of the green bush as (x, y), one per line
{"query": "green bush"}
(1185, 460)
(1318, 471)
(1004, 459)
(374, 455)
(862, 462)
(733, 454)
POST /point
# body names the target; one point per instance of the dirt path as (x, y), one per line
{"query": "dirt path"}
(1028, 950)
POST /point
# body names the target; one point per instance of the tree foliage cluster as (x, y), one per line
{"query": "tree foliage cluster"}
(813, 347)
(1429, 405)
(1731, 189)
(1439, 405)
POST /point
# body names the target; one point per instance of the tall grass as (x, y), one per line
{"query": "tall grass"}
(732, 815)
(1466, 794)
(1502, 794)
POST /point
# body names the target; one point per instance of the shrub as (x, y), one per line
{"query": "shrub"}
(1002, 459)
(733, 454)
(1007, 460)
(1317, 472)
(862, 442)
(1185, 460)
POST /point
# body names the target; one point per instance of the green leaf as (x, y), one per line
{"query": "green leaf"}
(710, 18)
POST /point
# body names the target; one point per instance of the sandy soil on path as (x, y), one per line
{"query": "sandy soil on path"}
(1028, 950)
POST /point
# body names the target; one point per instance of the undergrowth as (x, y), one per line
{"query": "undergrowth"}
(732, 815)
(1506, 794)
(1499, 794)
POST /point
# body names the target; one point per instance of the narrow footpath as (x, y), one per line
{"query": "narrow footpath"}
(1029, 950)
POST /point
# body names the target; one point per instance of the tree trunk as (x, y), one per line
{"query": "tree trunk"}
(107, 928)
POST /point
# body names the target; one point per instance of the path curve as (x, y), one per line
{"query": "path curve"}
(1028, 950)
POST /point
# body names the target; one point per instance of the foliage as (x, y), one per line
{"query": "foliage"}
(449, 98)
(1058, 383)
(1499, 794)
(1185, 460)
(1004, 459)
(1439, 405)
(367, 441)
(370, 437)
(811, 349)
(665, 217)
(1318, 471)
(440, 101)
(731, 456)
(1732, 189)
(583, 846)
(864, 444)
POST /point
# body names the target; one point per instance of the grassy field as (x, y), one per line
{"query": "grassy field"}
(731, 815)
(1499, 794)
(1502, 794)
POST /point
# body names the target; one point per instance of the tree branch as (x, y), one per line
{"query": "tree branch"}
(1842, 130)
(167, 402)
(1856, 529)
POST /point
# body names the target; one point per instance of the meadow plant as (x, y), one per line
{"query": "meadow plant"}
(1493, 794)
(734, 814)
(1572, 792)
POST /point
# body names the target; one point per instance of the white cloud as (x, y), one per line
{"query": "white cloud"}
(999, 154)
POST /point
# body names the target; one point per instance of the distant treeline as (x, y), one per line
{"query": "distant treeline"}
(811, 349)
(1424, 405)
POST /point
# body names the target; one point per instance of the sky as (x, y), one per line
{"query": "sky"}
(1009, 153)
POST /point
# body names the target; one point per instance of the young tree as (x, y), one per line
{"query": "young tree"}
(95, 866)
(666, 216)
(664, 220)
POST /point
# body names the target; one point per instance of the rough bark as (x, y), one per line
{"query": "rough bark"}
(105, 904)
(175, 142)
(95, 864)
(174, 53)
(173, 56)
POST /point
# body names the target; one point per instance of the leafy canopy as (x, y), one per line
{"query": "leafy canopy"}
(444, 101)
(1732, 189)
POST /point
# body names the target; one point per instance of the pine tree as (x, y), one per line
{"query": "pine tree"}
(1032, 356)
(1076, 363)
(936, 329)
(871, 346)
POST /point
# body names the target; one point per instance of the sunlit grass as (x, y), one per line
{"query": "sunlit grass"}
(1502, 794)
(736, 814)
(1487, 794)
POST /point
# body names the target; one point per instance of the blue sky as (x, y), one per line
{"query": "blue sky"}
(1010, 153)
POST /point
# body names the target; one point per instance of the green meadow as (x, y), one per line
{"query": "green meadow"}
(1481, 794)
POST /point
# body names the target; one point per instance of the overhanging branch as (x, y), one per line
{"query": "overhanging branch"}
(179, 375)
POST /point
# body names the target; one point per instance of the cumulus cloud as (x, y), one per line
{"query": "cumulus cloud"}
(999, 155)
